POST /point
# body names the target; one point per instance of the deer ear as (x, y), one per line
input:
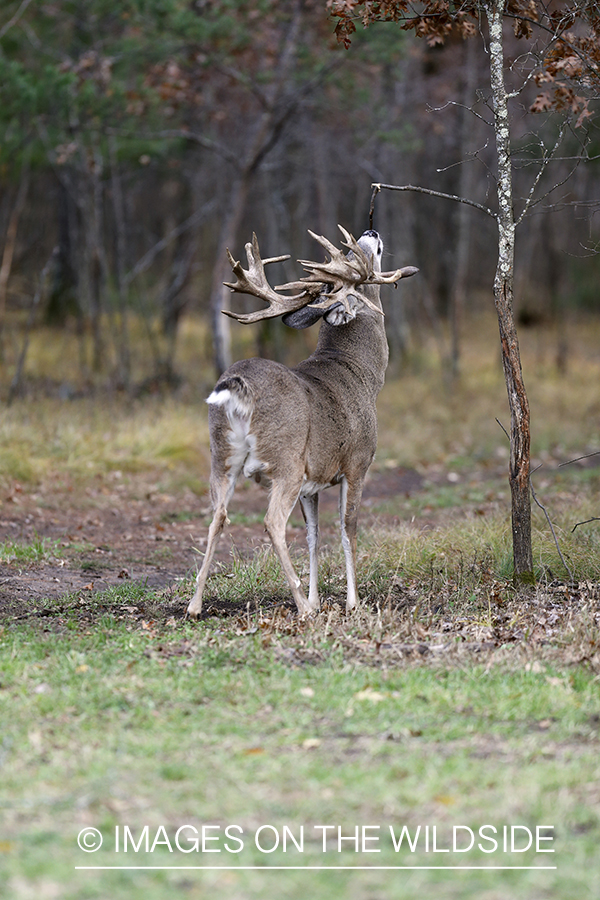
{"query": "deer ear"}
(303, 318)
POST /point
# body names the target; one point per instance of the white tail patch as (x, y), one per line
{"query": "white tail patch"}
(219, 398)
(238, 409)
(234, 404)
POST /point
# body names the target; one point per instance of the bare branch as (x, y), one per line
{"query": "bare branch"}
(470, 157)
(544, 510)
(587, 521)
(16, 380)
(245, 81)
(546, 159)
(579, 458)
(513, 94)
(460, 106)
(551, 190)
(422, 190)
(502, 427)
(148, 258)
(15, 18)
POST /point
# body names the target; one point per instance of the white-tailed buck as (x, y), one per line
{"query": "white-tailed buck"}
(301, 430)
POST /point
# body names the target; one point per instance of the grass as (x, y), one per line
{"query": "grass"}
(448, 699)
(131, 723)
(39, 550)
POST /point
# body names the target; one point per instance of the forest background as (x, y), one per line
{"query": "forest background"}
(139, 141)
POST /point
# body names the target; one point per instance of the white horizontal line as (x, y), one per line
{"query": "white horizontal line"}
(332, 868)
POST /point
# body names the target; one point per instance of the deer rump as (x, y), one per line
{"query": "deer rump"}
(304, 429)
(252, 430)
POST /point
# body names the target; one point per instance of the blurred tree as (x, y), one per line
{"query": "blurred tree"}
(100, 87)
(141, 132)
(264, 57)
(563, 59)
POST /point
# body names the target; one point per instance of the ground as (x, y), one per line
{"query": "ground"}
(124, 528)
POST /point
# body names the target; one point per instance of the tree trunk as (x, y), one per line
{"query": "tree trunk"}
(63, 301)
(123, 354)
(10, 243)
(219, 295)
(97, 271)
(503, 297)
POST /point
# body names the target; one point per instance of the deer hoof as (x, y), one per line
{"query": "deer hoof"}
(194, 610)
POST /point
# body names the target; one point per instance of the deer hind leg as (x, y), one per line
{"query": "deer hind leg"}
(222, 488)
(281, 503)
(350, 497)
(310, 511)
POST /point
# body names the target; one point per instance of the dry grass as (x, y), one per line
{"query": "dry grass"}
(423, 421)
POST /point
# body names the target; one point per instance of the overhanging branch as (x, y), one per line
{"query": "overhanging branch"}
(421, 190)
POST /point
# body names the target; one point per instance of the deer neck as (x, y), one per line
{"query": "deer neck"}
(360, 345)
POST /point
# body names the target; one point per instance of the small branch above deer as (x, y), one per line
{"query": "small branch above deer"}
(329, 283)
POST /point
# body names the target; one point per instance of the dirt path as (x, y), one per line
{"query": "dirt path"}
(126, 529)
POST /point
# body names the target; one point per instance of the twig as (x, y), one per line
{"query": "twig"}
(545, 161)
(422, 190)
(503, 428)
(15, 18)
(376, 189)
(578, 458)
(147, 259)
(460, 106)
(544, 510)
(587, 521)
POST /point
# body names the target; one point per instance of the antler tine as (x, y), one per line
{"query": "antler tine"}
(343, 273)
(338, 267)
(395, 276)
(352, 244)
(253, 281)
(331, 248)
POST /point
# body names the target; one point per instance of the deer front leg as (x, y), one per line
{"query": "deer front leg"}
(281, 504)
(350, 497)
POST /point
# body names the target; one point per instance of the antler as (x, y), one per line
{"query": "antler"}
(254, 281)
(341, 274)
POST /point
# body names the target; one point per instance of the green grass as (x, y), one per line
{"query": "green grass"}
(128, 725)
(39, 550)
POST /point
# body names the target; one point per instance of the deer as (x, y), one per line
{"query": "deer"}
(301, 430)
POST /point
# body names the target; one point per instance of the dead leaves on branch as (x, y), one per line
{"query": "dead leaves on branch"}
(570, 65)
